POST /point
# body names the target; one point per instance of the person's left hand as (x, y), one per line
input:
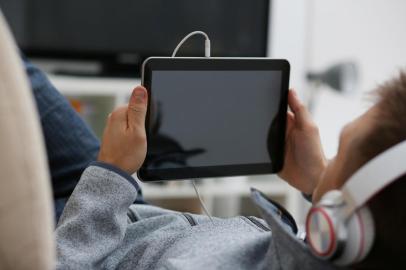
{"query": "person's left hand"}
(124, 143)
(304, 156)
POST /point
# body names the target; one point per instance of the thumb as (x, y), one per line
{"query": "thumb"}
(137, 107)
(302, 115)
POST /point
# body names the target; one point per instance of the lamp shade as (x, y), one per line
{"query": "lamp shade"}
(342, 77)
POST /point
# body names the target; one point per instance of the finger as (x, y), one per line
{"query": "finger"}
(118, 118)
(302, 115)
(290, 120)
(137, 108)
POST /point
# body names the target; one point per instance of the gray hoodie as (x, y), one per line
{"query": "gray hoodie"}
(100, 228)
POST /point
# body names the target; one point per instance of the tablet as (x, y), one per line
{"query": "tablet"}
(214, 117)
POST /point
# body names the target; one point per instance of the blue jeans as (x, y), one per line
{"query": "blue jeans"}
(70, 143)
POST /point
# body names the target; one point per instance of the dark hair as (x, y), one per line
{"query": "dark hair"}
(388, 207)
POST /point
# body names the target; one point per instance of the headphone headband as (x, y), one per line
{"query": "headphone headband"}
(375, 175)
(344, 232)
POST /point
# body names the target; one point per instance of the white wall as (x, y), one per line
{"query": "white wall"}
(370, 32)
(288, 33)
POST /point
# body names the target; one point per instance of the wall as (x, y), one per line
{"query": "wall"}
(370, 32)
(288, 35)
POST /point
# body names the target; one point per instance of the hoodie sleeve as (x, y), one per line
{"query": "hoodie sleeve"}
(94, 220)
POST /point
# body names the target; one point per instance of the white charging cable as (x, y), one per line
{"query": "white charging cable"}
(201, 200)
(207, 53)
(207, 45)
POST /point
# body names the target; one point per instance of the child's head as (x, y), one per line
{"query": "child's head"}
(382, 126)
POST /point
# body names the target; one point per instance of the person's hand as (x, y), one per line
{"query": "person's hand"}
(124, 143)
(304, 157)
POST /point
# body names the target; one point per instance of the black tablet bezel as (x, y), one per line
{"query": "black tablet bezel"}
(183, 63)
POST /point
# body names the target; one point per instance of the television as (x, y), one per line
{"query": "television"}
(120, 34)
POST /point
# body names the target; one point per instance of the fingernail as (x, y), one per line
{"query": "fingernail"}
(139, 95)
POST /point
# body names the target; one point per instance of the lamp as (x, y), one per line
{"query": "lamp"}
(340, 77)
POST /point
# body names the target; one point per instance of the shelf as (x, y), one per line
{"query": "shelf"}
(93, 85)
(238, 186)
(95, 98)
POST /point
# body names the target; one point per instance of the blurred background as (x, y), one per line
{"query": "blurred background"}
(338, 50)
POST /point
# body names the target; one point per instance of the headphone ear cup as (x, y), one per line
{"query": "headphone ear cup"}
(330, 237)
(323, 225)
(360, 237)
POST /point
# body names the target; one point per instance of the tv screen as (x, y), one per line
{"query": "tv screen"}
(128, 31)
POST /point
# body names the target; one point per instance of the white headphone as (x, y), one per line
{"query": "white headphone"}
(340, 226)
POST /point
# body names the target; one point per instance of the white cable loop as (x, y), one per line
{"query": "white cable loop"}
(207, 53)
(207, 44)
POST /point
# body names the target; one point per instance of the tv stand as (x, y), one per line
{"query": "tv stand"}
(105, 73)
(90, 68)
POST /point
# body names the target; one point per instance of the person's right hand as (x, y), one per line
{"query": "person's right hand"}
(304, 157)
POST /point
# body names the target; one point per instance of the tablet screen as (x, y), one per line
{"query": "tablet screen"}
(216, 117)
(220, 121)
